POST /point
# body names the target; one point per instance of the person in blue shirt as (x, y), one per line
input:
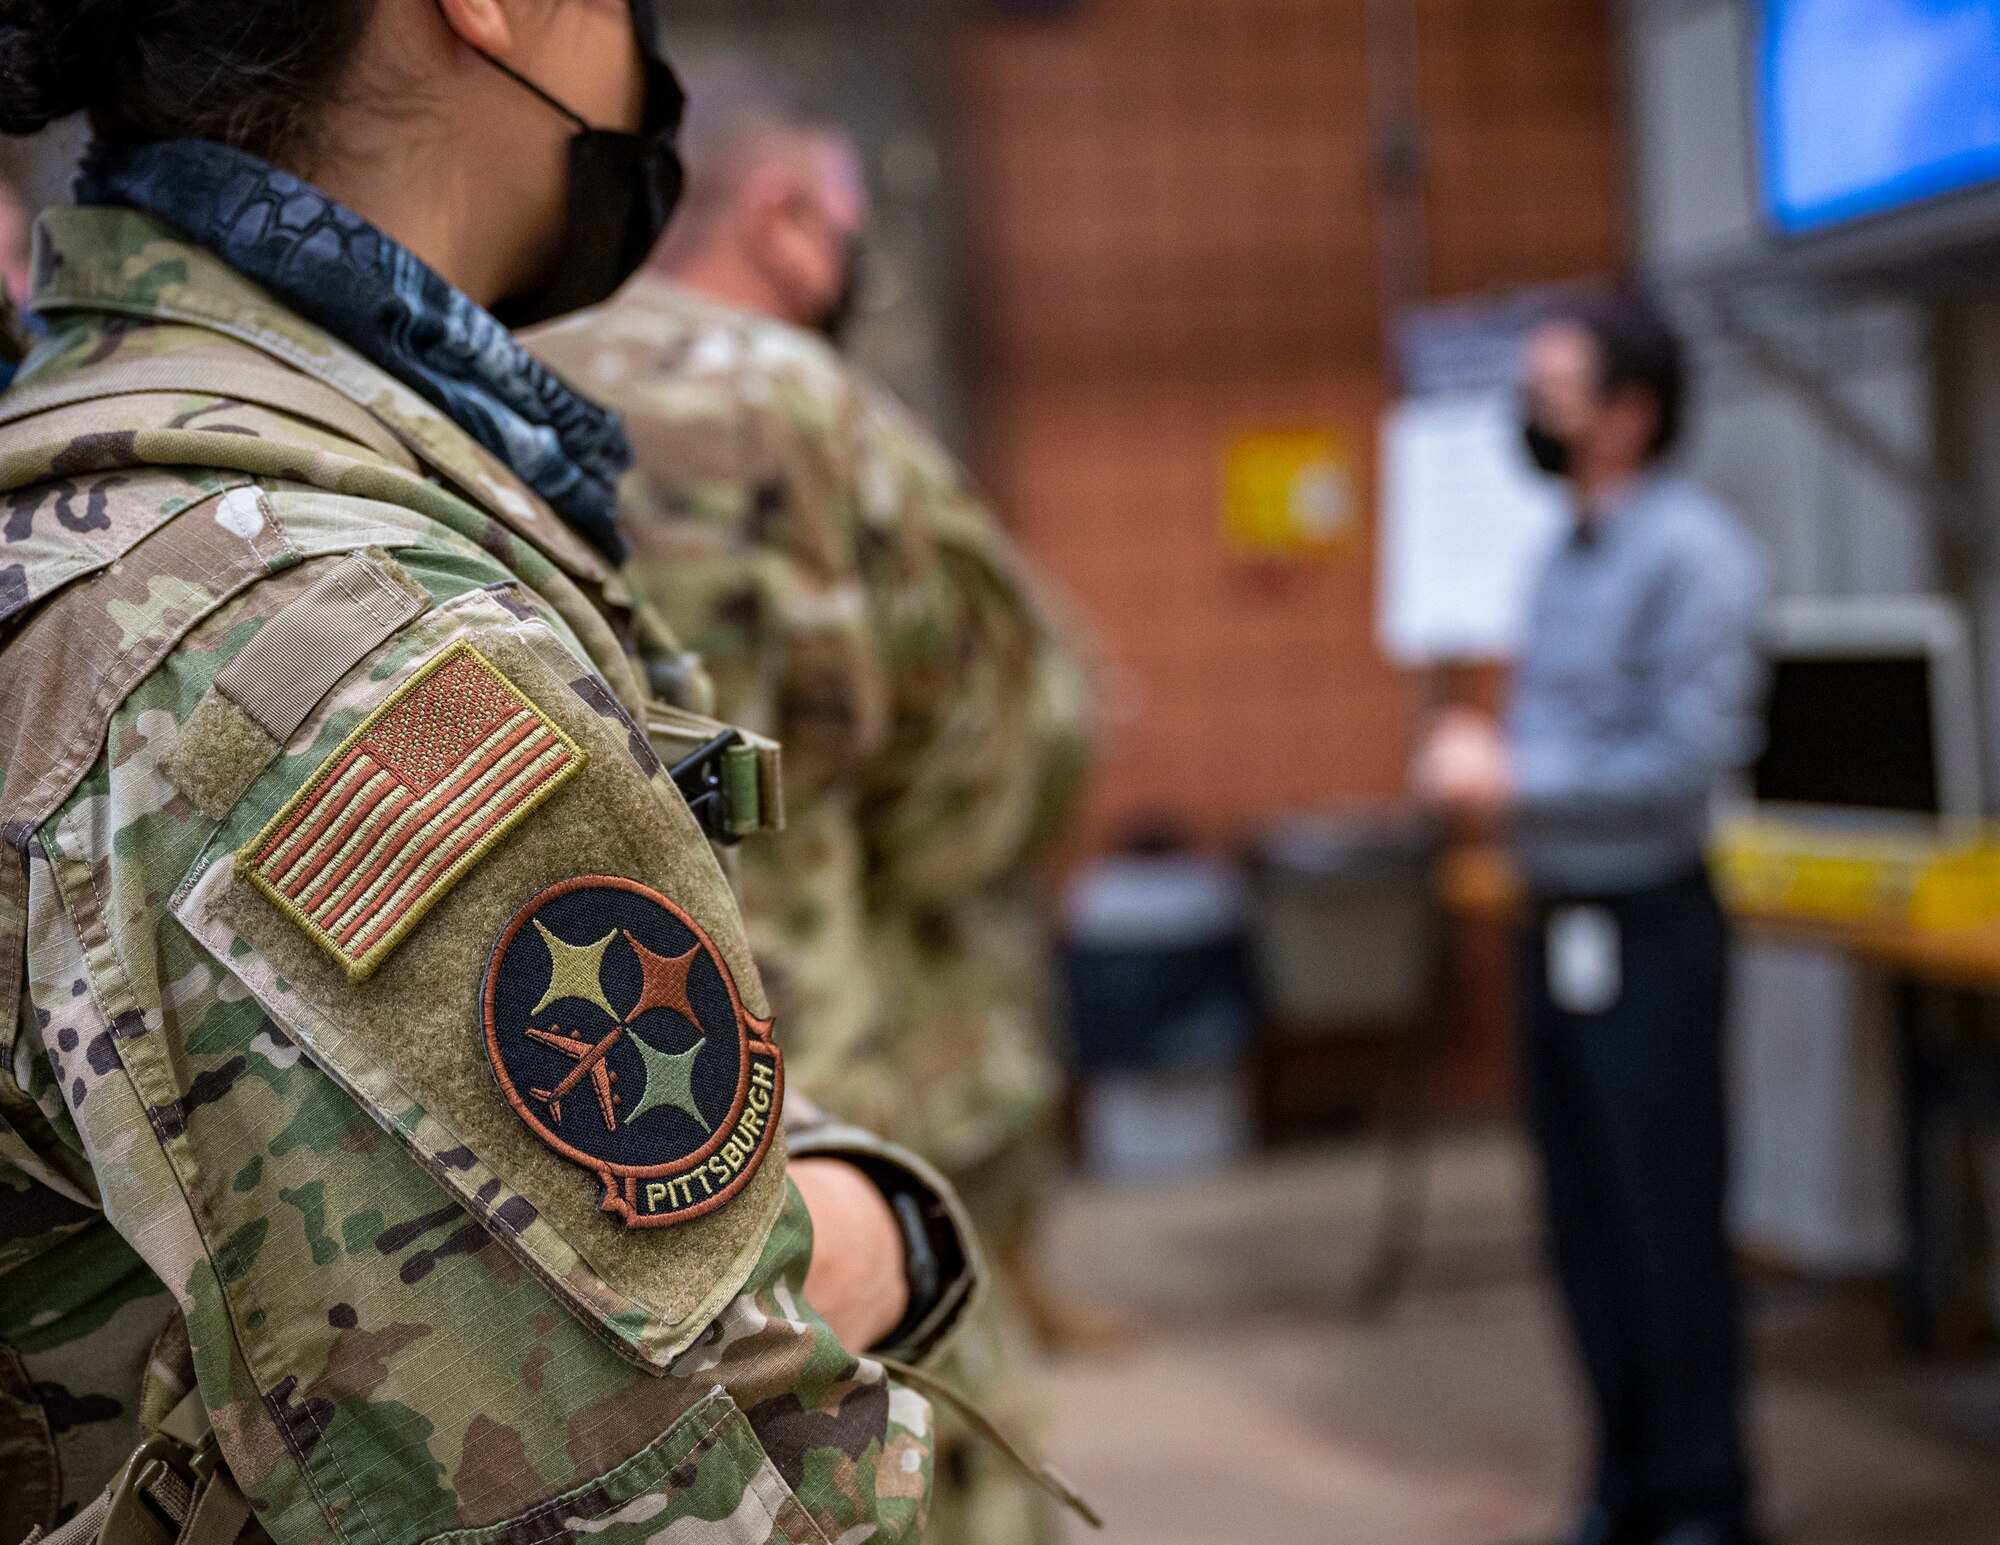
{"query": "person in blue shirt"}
(1638, 692)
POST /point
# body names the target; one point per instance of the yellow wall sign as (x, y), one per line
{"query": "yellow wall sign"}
(1291, 494)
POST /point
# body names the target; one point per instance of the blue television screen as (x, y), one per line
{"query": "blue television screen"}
(1872, 105)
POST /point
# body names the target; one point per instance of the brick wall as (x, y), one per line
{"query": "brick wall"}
(1169, 229)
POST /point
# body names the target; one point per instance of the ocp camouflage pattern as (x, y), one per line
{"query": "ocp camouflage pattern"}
(203, 1177)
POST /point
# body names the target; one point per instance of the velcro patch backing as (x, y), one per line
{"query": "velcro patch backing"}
(351, 610)
(428, 785)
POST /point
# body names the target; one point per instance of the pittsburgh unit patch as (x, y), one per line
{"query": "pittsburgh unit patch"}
(416, 796)
(617, 1034)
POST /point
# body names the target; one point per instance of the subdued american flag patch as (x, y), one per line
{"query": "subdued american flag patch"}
(423, 790)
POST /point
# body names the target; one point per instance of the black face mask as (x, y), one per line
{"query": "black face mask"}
(840, 320)
(622, 191)
(1549, 451)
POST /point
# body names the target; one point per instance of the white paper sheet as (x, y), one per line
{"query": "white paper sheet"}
(1466, 525)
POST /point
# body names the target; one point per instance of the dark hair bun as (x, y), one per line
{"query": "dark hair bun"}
(53, 55)
(248, 73)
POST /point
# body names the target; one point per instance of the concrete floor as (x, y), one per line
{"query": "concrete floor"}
(1250, 1407)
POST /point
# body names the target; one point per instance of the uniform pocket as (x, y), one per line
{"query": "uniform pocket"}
(707, 1482)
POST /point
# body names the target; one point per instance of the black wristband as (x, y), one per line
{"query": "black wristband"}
(933, 1256)
(920, 1260)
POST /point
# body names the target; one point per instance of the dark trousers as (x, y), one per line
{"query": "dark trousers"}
(1627, 1109)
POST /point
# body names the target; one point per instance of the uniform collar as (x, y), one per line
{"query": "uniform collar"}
(119, 261)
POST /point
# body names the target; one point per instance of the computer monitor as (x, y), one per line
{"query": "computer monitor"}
(1872, 714)
(1872, 106)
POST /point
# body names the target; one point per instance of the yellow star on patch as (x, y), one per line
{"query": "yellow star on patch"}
(575, 971)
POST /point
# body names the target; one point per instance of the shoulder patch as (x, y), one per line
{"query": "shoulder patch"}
(429, 784)
(617, 1034)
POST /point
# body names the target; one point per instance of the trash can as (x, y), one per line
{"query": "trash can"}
(1345, 954)
(1346, 931)
(1162, 1012)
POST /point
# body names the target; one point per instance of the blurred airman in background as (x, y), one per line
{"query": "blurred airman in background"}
(852, 596)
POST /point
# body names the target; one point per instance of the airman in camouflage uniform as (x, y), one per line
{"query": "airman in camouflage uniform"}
(233, 1159)
(851, 595)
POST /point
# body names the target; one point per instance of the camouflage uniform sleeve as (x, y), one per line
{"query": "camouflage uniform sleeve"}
(992, 703)
(354, 1034)
(747, 526)
(991, 707)
(82, 1317)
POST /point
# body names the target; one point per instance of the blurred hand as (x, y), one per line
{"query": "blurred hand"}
(857, 1280)
(1463, 764)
